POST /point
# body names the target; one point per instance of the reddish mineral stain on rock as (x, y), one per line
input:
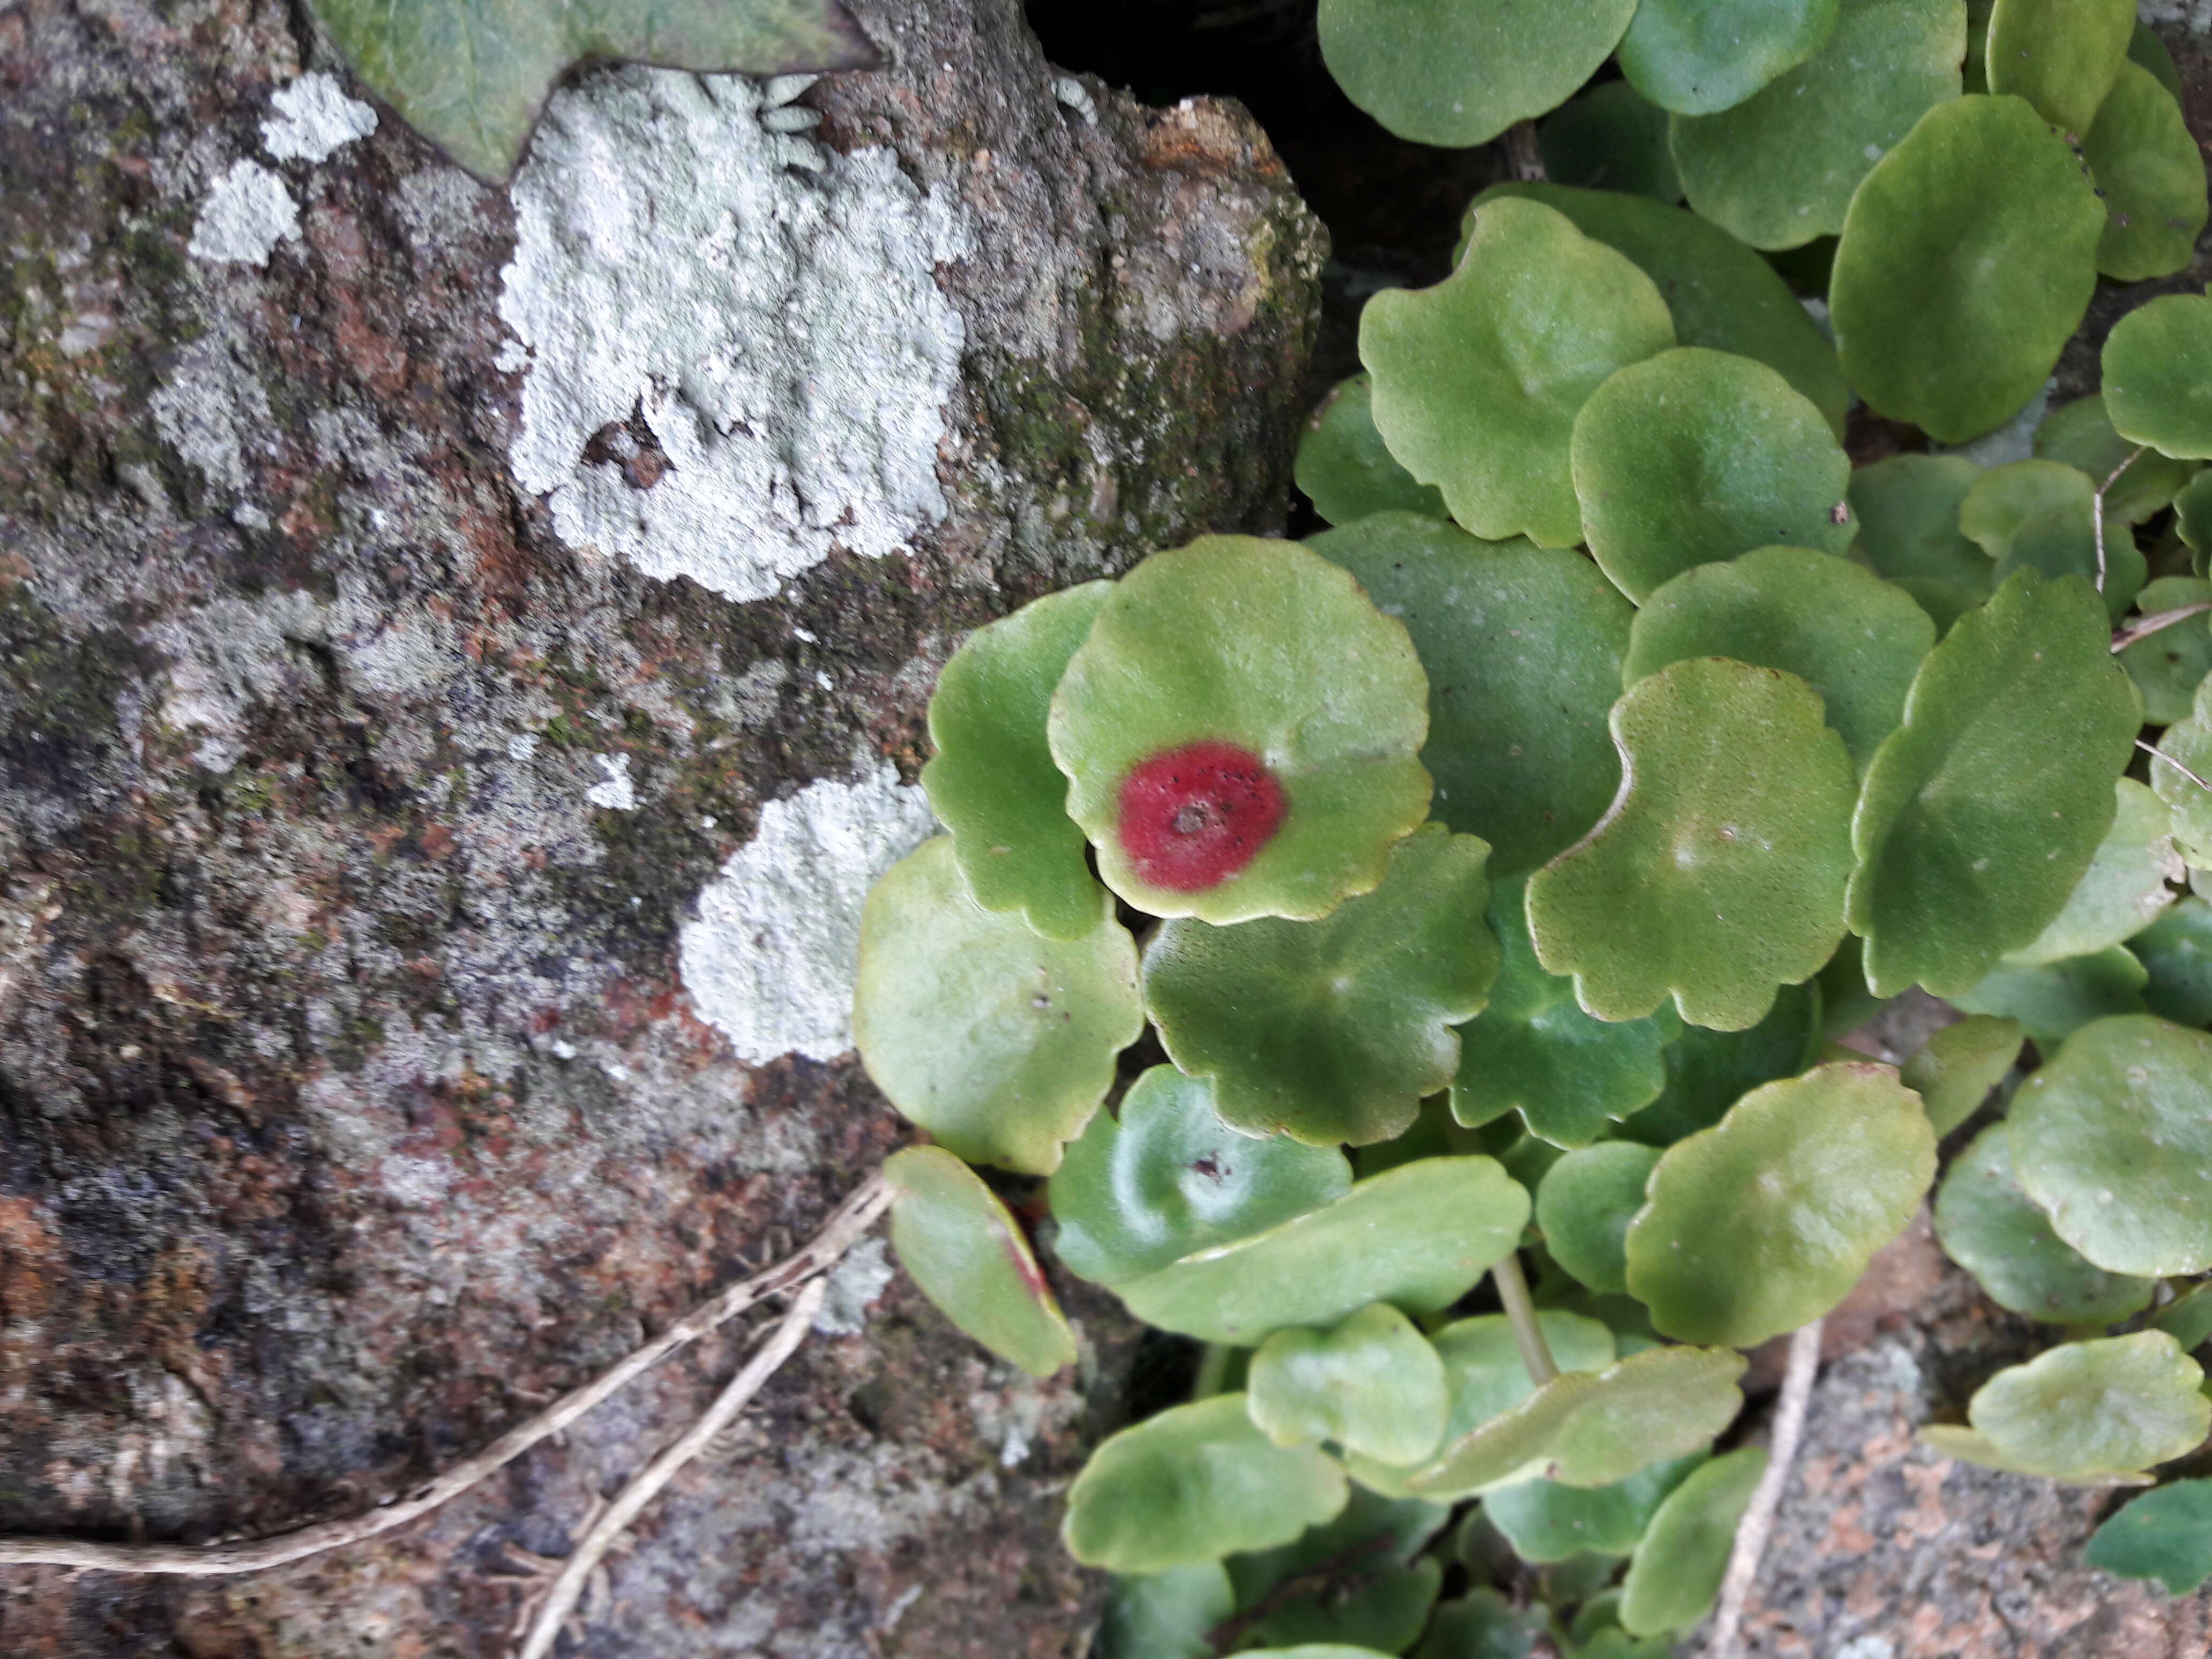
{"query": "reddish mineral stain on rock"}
(1192, 817)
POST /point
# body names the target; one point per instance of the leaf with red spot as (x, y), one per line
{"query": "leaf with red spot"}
(967, 1256)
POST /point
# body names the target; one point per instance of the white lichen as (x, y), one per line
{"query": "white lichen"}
(614, 790)
(314, 119)
(770, 959)
(854, 1285)
(2195, 15)
(247, 213)
(779, 330)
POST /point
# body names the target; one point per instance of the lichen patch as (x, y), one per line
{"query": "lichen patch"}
(314, 119)
(247, 213)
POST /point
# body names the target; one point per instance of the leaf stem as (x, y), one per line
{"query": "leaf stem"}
(2161, 754)
(1524, 160)
(1752, 1531)
(2144, 627)
(2097, 511)
(1513, 1292)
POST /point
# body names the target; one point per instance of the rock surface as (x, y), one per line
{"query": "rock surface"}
(414, 598)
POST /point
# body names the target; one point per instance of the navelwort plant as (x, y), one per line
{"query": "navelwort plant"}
(1495, 868)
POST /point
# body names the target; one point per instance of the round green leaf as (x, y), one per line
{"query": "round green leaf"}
(1708, 1072)
(1719, 873)
(1591, 1429)
(2037, 515)
(1373, 1385)
(1696, 455)
(992, 782)
(2053, 1000)
(2152, 175)
(1676, 1572)
(1778, 169)
(2158, 375)
(2109, 1406)
(1483, 1625)
(1980, 813)
(1698, 57)
(1332, 1030)
(998, 1041)
(1955, 1069)
(2165, 1534)
(1418, 1236)
(2112, 1139)
(1344, 468)
(1765, 1222)
(2144, 47)
(1907, 507)
(2192, 513)
(1166, 1616)
(1967, 259)
(1193, 1484)
(2005, 498)
(2168, 667)
(1486, 1376)
(958, 1244)
(1583, 1207)
(2179, 774)
(1546, 1522)
(1965, 1445)
(1989, 1226)
(1168, 1178)
(1534, 1051)
(1612, 137)
(2081, 434)
(1722, 295)
(2060, 55)
(1353, 1580)
(1478, 380)
(1273, 653)
(2124, 888)
(2176, 952)
(1856, 639)
(1523, 648)
(1459, 72)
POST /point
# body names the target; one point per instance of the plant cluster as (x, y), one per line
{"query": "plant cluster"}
(1494, 869)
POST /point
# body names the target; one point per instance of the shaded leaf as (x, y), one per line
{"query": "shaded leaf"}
(1989, 1226)
(2037, 515)
(2124, 888)
(1483, 1625)
(1547, 1522)
(1907, 508)
(2168, 667)
(1708, 1072)
(1368, 1588)
(2144, 47)
(2165, 1534)
(2152, 175)
(1166, 1616)
(1958, 1066)
(1675, 1575)
(1701, 57)
(2176, 952)
(2158, 375)
(1373, 1385)
(1765, 1222)
(1584, 1205)
(1611, 138)
(998, 1041)
(2081, 434)
(1344, 467)
(2188, 1318)
(958, 1244)
(2109, 1406)
(2060, 55)
(2055, 999)
(2192, 514)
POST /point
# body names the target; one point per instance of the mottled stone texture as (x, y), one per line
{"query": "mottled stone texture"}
(350, 1103)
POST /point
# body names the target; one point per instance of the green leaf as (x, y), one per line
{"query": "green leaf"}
(1523, 648)
(2037, 515)
(1547, 1522)
(1534, 1050)
(1778, 169)
(1856, 639)
(1168, 1178)
(1723, 295)
(471, 76)
(1708, 1072)
(1846, 1003)
(998, 1041)
(1484, 1374)
(2176, 952)
(2168, 667)
(1907, 507)
(2054, 1000)
(2124, 888)
(2109, 1406)
(2144, 47)
(992, 782)
(2111, 1140)
(1418, 1236)
(1965, 1445)
(958, 1243)
(1459, 72)
(1166, 1616)
(1238, 733)
(1676, 1573)
(1696, 455)
(1967, 259)
(2060, 55)
(1584, 1205)
(1718, 874)
(1353, 1580)
(1614, 1642)
(1483, 1625)
(1591, 1429)
(1765, 1222)
(2081, 434)
(2192, 514)
(1345, 468)
(1698, 57)
(2158, 375)
(2152, 175)
(1373, 1385)
(1958, 1066)
(2179, 774)
(1612, 137)
(1981, 813)
(1991, 1227)
(1333, 1031)
(1193, 1484)
(2165, 1534)
(2188, 1318)
(1478, 380)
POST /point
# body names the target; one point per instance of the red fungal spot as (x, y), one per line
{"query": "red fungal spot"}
(1194, 816)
